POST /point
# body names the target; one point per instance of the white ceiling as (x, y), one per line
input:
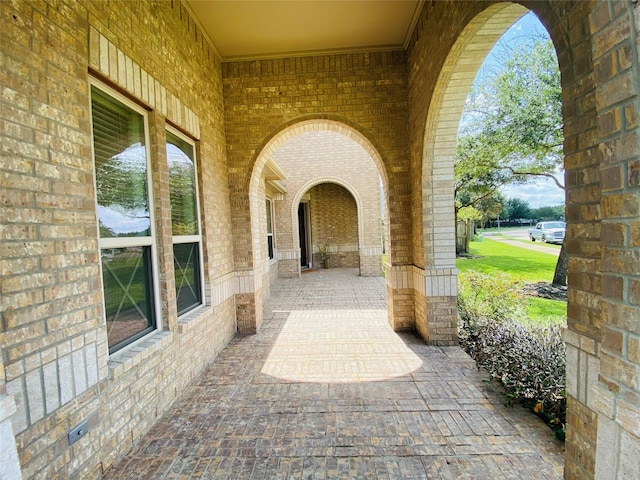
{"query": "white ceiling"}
(247, 30)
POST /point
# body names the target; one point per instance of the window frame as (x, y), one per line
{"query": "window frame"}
(271, 253)
(133, 241)
(195, 238)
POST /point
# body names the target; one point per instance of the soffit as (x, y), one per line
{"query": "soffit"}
(249, 30)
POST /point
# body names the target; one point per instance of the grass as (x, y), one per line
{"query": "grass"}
(526, 265)
(544, 311)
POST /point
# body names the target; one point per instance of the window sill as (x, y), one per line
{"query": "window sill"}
(191, 318)
(122, 361)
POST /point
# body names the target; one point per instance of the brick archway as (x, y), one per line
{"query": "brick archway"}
(329, 134)
(255, 280)
(337, 125)
(297, 197)
(596, 47)
(436, 283)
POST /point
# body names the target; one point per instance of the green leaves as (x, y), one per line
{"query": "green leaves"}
(527, 360)
(512, 124)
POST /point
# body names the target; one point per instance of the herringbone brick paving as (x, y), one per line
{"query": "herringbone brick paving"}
(326, 390)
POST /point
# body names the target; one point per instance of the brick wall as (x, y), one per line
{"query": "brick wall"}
(334, 222)
(53, 338)
(615, 42)
(337, 173)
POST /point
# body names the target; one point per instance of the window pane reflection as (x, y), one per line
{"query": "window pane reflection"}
(186, 264)
(126, 274)
(182, 186)
(121, 168)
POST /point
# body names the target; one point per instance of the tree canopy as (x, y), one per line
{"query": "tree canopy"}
(511, 130)
(512, 123)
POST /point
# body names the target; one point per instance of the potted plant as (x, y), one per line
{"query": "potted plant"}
(324, 255)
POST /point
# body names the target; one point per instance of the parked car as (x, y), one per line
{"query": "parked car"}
(550, 232)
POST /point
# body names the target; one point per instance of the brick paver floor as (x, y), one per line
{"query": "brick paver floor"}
(326, 390)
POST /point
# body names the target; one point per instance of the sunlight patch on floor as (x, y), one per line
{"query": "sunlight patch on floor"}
(339, 346)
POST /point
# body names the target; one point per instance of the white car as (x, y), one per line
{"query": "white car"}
(550, 232)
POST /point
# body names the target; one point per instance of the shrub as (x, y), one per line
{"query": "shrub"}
(528, 361)
(498, 296)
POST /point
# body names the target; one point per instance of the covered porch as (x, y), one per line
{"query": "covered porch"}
(326, 389)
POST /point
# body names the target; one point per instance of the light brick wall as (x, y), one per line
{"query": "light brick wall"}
(334, 222)
(53, 339)
(366, 92)
(333, 167)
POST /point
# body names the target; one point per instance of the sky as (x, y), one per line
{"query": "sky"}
(540, 192)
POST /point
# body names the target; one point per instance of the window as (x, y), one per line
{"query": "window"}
(185, 224)
(269, 229)
(127, 247)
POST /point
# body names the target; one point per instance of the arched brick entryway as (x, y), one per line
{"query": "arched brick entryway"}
(436, 283)
(312, 152)
(598, 57)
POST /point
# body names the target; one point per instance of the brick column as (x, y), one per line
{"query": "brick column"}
(370, 261)
(614, 389)
(400, 298)
(436, 292)
(162, 214)
(248, 301)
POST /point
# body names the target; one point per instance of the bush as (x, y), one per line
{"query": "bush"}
(528, 361)
(497, 296)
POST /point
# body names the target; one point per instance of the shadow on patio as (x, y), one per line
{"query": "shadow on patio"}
(327, 390)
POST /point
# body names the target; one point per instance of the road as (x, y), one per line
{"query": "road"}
(515, 237)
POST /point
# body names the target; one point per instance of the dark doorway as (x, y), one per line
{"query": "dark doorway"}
(302, 232)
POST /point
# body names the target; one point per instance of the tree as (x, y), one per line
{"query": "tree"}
(490, 207)
(517, 208)
(548, 213)
(511, 130)
(469, 213)
(513, 117)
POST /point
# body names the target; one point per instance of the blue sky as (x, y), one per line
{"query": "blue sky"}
(540, 192)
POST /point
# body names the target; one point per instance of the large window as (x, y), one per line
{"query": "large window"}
(185, 224)
(127, 247)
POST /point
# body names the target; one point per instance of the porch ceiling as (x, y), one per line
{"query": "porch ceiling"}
(247, 30)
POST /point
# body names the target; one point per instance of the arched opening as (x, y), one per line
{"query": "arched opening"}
(329, 220)
(583, 195)
(437, 252)
(325, 185)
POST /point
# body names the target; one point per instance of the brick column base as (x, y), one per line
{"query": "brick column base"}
(436, 293)
(289, 268)
(400, 297)
(370, 265)
(249, 296)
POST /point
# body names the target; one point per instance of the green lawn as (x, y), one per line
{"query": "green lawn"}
(543, 310)
(527, 265)
(524, 264)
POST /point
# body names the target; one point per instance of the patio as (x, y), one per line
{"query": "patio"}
(327, 390)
